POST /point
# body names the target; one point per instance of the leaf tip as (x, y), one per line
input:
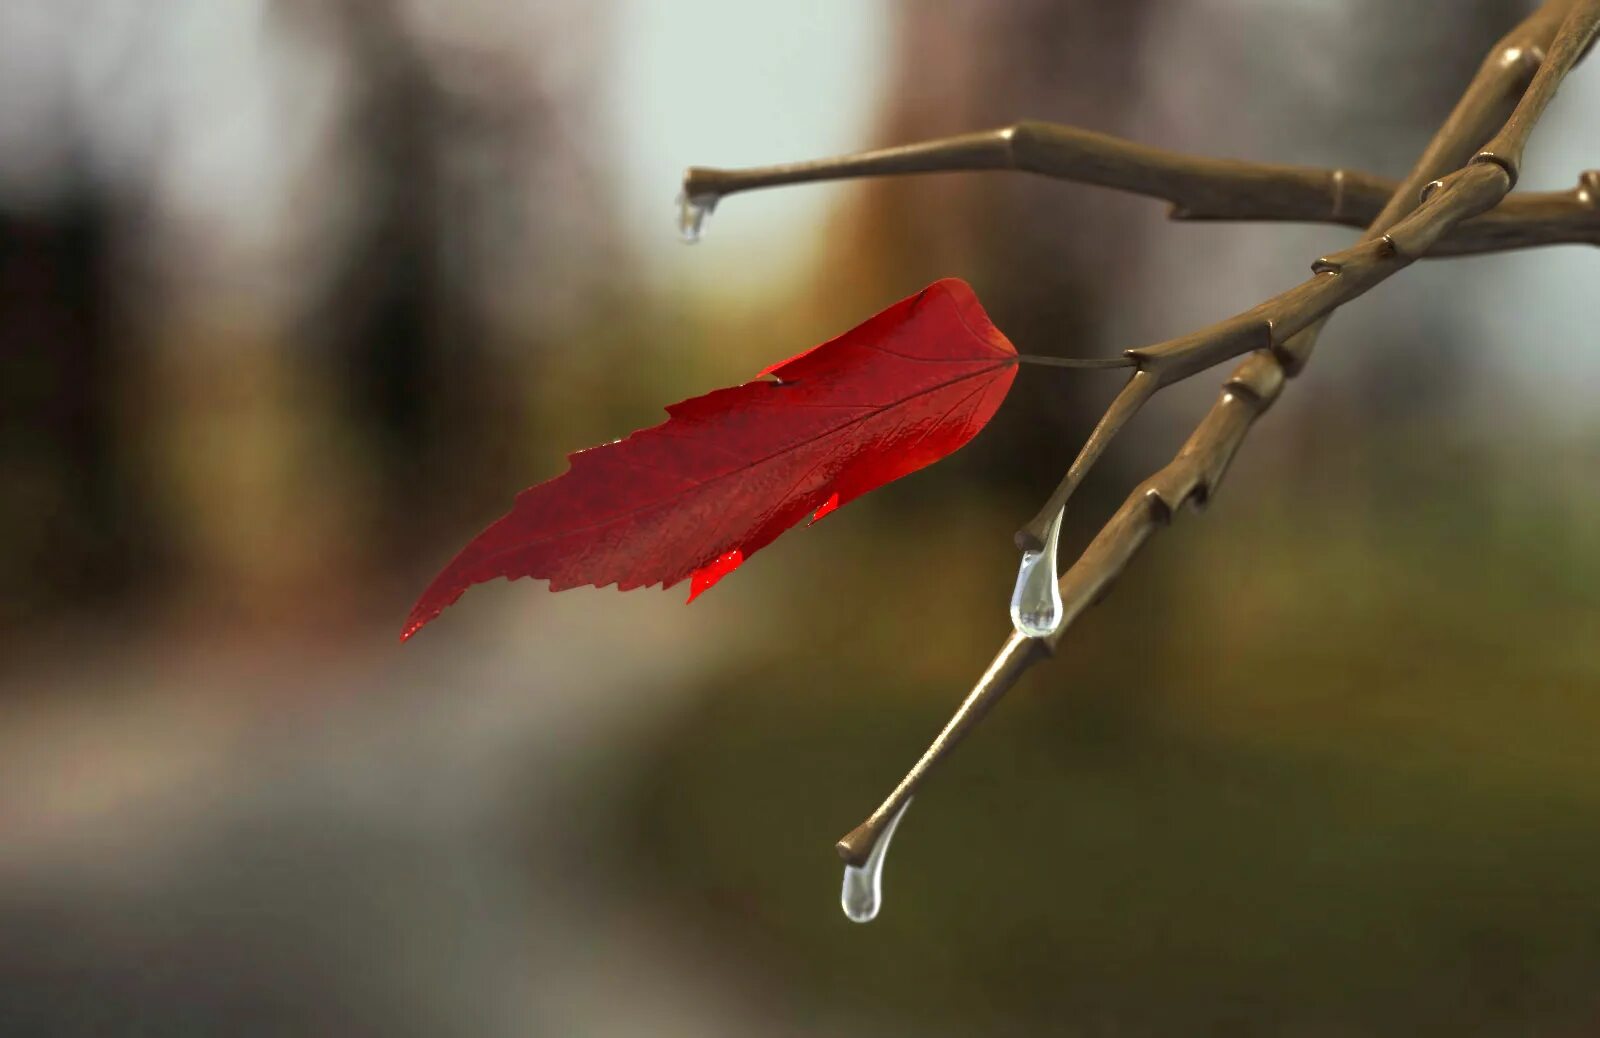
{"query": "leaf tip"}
(703, 578)
(829, 506)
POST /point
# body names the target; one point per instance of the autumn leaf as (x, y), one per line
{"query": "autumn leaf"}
(729, 471)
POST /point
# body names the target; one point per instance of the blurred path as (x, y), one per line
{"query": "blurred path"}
(294, 839)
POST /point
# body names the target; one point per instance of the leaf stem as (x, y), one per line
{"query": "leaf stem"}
(1089, 363)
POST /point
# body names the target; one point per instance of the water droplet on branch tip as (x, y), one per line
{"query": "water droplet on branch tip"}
(1036, 609)
(862, 895)
(693, 211)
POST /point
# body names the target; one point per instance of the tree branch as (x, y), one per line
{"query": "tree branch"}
(1505, 99)
(1337, 279)
(1198, 188)
(1290, 323)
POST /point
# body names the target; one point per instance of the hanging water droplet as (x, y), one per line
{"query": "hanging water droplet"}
(862, 895)
(692, 213)
(1036, 609)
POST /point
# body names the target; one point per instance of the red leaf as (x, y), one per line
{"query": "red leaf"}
(731, 470)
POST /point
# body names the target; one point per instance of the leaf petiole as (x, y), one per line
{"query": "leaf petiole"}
(1077, 362)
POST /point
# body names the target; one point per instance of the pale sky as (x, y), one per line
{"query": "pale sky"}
(733, 83)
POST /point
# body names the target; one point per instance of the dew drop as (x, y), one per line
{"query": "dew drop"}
(862, 895)
(692, 213)
(1036, 610)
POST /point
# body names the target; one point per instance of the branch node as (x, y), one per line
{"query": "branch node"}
(1260, 378)
(1336, 184)
(1508, 163)
(1522, 59)
(1589, 188)
(1160, 511)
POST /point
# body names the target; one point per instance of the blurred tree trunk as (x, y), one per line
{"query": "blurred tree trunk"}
(396, 322)
(460, 271)
(74, 528)
(1046, 258)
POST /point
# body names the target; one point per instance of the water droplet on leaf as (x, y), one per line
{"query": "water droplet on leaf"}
(1036, 609)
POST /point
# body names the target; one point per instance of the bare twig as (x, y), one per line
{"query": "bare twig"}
(1336, 279)
(1399, 235)
(1505, 99)
(1199, 188)
(1529, 220)
(1572, 41)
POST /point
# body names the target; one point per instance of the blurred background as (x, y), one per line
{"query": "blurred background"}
(296, 294)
